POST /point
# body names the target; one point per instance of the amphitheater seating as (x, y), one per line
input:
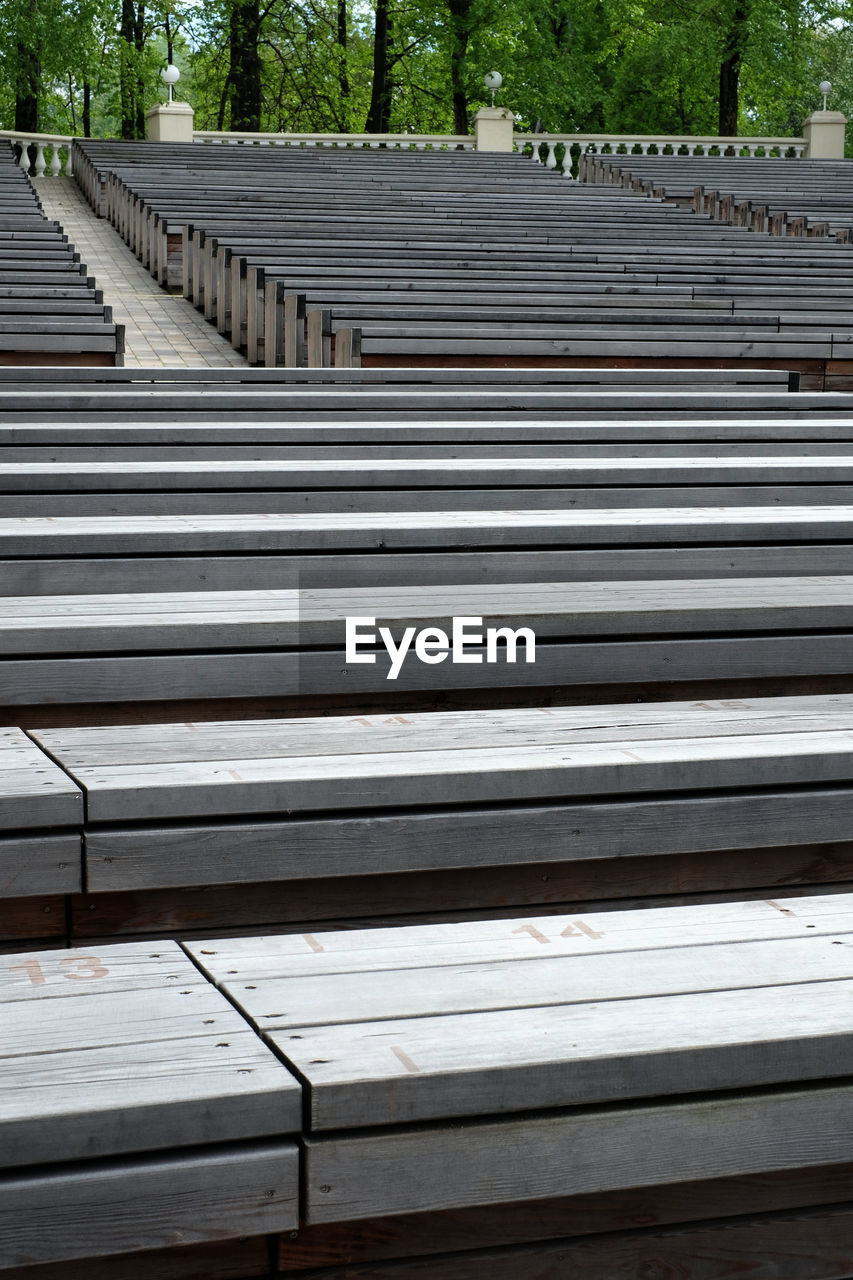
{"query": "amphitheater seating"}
(787, 197)
(271, 823)
(139, 563)
(175, 553)
(553, 974)
(585, 251)
(690, 1062)
(50, 311)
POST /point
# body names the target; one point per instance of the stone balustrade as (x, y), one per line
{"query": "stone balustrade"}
(549, 148)
(418, 141)
(52, 152)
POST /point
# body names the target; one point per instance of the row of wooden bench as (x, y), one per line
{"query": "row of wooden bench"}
(781, 197)
(543, 1081)
(676, 788)
(274, 253)
(548, 1080)
(163, 570)
(50, 310)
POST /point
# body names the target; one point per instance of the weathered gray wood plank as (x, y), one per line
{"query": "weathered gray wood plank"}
(188, 675)
(524, 938)
(152, 857)
(279, 1004)
(414, 473)
(297, 619)
(125, 1049)
(439, 730)
(474, 775)
(128, 966)
(404, 1071)
(40, 864)
(112, 1100)
(33, 791)
(148, 1203)
(571, 1153)
(67, 535)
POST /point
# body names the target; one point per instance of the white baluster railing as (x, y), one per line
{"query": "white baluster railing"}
(59, 146)
(398, 141)
(53, 151)
(627, 143)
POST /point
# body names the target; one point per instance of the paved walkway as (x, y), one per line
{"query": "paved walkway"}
(160, 328)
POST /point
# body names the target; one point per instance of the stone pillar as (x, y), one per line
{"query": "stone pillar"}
(493, 129)
(169, 122)
(824, 135)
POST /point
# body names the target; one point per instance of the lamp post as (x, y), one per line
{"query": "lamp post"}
(493, 81)
(824, 130)
(169, 121)
(170, 75)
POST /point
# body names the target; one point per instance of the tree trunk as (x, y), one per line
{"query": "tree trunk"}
(459, 26)
(127, 71)
(87, 109)
(379, 115)
(245, 69)
(27, 90)
(139, 46)
(735, 45)
(343, 72)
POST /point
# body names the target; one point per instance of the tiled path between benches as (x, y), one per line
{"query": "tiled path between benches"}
(160, 328)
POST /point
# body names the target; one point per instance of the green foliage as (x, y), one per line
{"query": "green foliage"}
(585, 65)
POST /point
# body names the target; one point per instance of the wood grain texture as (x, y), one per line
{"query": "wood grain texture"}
(307, 674)
(475, 775)
(421, 1235)
(31, 918)
(264, 851)
(34, 865)
(148, 1204)
(112, 1051)
(415, 474)
(555, 611)
(99, 535)
(411, 731)
(409, 896)
(408, 1070)
(33, 791)
(471, 1164)
(421, 950)
(426, 991)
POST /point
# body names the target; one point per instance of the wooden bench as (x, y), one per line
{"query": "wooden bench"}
(266, 823)
(138, 1109)
(620, 1058)
(237, 263)
(205, 646)
(50, 313)
(806, 192)
(452, 1066)
(41, 814)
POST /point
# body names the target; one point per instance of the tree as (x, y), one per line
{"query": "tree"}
(245, 66)
(735, 44)
(379, 112)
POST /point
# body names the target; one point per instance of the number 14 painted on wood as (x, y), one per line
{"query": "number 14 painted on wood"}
(573, 930)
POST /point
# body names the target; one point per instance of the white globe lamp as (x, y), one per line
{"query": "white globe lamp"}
(170, 75)
(493, 81)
